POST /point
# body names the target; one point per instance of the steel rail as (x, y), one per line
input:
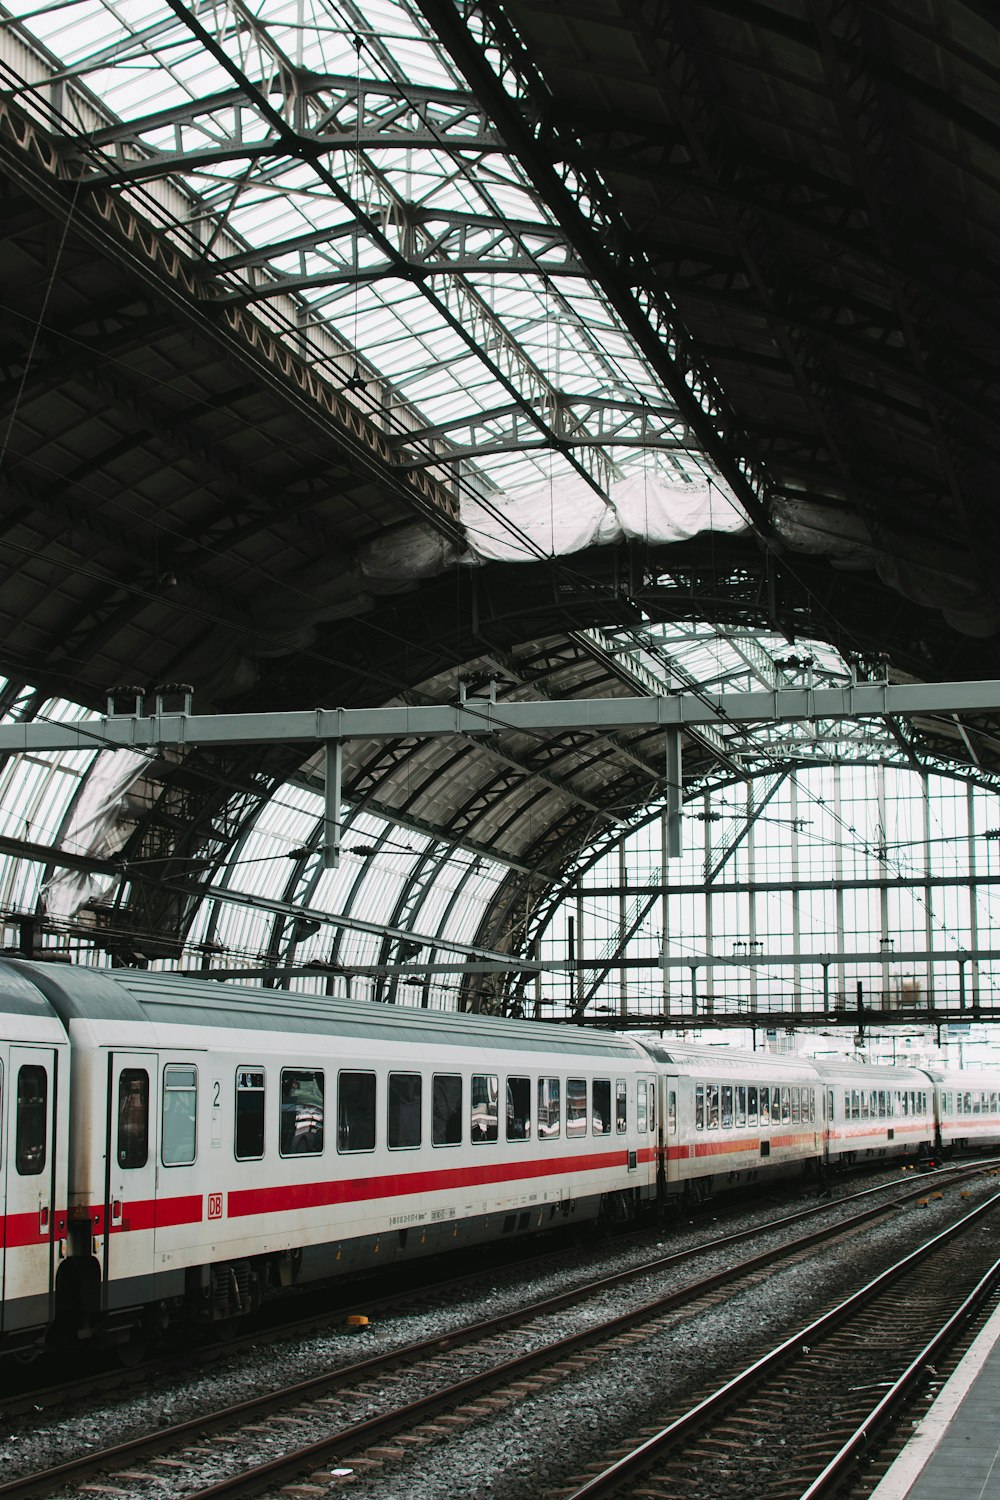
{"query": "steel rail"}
(627, 1469)
(829, 1479)
(44, 1481)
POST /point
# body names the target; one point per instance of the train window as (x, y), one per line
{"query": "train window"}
(699, 1106)
(446, 1110)
(485, 1111)
(741, 1104)
(180, 1115)
(302, 1112)
(652, 1108)
(786, 1105)
(672, 1111)
(249, 1114)
(31, 1131)
(795, 1106)
(727, 1106)
(518, 1109)
(765, 1105)
(775, 1106)
(621, 1106)
(752, 1104)
(133, 1118)
(405, 1102)
(356, 1112)
(576, 1106)
(549, 1112)
(600, 1106)
(641, 1112)
(812, 1106)
(712, 1106)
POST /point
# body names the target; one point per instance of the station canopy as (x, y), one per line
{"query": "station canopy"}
(311, 399)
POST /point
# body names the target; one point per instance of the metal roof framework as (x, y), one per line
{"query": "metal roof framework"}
(283, 282)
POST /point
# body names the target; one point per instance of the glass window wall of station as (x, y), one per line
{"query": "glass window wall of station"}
(850, 875)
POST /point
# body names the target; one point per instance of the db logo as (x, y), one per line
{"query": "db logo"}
(215, 1205)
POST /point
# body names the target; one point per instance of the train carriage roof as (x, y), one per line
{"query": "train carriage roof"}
(131, 995)
(723, 1061)
(845, 1070)
(19, 997)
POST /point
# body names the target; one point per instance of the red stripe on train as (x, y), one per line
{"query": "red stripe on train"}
(269, 1200)
(147, 1214)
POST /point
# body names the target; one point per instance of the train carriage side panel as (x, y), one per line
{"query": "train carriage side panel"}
(967, 1108)
(874, 1111)
(197, 1059)
(731, 1117)
(34, 1094)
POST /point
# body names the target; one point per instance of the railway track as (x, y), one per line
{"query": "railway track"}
(375, 1410)
(849, 1374)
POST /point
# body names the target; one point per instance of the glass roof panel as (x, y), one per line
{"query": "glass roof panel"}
(347, 128)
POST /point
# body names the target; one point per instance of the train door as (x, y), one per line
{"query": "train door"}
(669, 1131)
(28, 1175)
(130, 1177)
(827, 1126)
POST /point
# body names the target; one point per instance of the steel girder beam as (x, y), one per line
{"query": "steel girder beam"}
(478, 717)
(579, 421)
(332, 112)
(579, 417)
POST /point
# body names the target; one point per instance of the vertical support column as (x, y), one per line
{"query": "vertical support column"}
(796, 893)
(709, 913)
(752, 897)
(581, 988)
(674, 788)
(622, 927)
(928, 890)
(970, 814)
(332, 799)
(664, 913)
(885, 943)
(838, 871)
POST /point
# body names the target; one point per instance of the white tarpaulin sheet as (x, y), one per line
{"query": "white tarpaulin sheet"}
(567, 516)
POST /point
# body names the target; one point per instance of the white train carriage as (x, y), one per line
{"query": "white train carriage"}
(34, 1085)
(228, 1141)
(873, 1112)
(732, 1117)
(968, 1108)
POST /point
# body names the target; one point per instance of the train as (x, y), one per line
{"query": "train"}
(176, 1151)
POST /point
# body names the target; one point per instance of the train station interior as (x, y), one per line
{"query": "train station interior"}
(504, 358)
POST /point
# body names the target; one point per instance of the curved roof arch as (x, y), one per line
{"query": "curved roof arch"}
(366, 354)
